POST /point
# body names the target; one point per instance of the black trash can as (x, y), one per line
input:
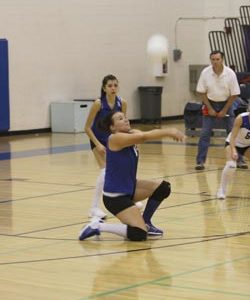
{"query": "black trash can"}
(150, 103)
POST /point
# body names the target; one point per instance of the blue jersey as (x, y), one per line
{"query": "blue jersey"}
(103, 112)
(121, 168)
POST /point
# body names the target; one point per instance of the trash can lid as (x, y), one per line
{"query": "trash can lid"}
(151, 89)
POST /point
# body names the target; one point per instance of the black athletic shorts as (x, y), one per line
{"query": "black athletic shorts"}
(117, 204)
(92, 145)
(240, 150)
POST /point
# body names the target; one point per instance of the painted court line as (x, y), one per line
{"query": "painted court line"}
(159, 280)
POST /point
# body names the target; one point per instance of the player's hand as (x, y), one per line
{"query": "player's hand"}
(234, 155)
(101, 149)
(177, 135)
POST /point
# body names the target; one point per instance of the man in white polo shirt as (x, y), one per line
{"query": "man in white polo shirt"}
(219, 88)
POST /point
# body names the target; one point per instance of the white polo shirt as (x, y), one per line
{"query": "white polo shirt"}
(218, 88)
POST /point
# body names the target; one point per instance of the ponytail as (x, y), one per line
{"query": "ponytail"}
(105, 123)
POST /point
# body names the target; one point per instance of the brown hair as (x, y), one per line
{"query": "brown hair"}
(105, 123)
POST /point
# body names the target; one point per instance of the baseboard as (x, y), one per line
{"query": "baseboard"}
(197, 132)
(136, 121)
(44, 130)
(29, 131)
(179, 117)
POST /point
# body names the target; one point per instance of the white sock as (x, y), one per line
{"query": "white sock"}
(98, 189)
(119, 229)
(227, 174)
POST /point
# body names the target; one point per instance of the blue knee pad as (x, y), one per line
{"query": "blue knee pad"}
(136, 234)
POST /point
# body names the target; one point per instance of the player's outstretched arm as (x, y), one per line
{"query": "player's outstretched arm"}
(121, 140)
(156, 134)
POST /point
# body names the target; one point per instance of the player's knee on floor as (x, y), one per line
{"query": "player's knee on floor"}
(162, 191)
(136, 233)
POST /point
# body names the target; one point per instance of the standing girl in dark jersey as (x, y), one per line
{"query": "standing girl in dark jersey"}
(122, 189)
(109, 101)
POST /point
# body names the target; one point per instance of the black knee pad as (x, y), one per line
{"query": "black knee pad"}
(136, 234)
(162, 192)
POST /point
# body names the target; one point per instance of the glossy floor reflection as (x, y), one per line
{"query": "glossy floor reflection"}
(46, 185)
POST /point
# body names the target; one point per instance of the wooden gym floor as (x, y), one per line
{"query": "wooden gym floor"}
(46, 185)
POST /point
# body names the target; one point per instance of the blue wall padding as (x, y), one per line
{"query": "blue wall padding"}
(4, 86)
